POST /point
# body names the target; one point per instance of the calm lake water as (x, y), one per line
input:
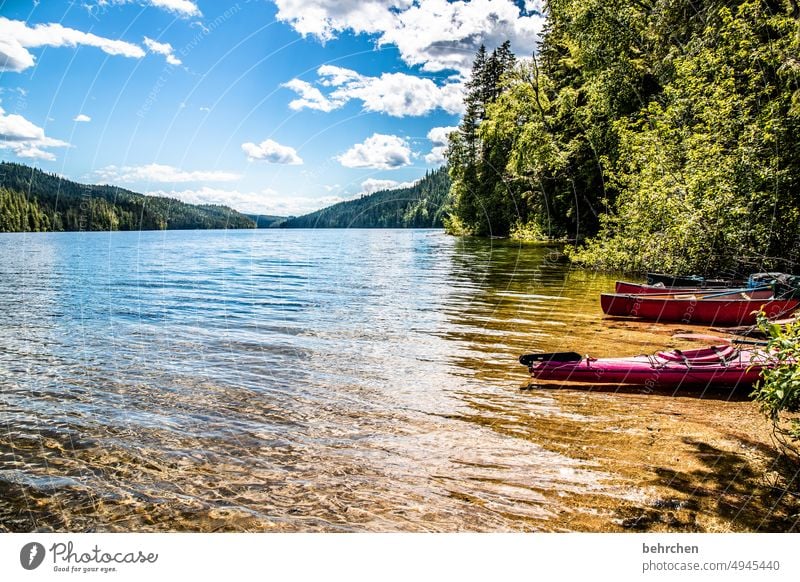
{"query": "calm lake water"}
(338, 380)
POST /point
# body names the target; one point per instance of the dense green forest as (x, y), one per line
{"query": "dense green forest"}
(32, 200)
(661, 134)
(419, 206)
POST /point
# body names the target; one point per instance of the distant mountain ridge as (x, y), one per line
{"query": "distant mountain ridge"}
(32, 200)
(422, 205)
(267, 220)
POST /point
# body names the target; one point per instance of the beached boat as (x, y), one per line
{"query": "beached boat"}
(723, 365)
(660, 289)
(729, 308)
(669, 280)
(693, 284)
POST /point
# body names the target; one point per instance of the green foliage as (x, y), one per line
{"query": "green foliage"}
(706, 174)
(453, 225)
(778, 394)
(423, 205)
(530, 232)
(32, 200)
(661, 133)
(18, 214)
(485, 198)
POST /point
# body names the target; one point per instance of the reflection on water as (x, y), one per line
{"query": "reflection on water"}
(337, 381)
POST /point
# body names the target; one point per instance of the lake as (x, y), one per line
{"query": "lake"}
(343, 380)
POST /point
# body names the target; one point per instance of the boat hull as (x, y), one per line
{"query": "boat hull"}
(693, 309)
(706, 367)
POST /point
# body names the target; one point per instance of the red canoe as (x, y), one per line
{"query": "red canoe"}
(712, 366)
(711, 309)
(642, 289)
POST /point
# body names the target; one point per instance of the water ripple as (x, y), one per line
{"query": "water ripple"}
(292, 380)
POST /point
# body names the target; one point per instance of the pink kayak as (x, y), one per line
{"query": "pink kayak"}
(712, 366)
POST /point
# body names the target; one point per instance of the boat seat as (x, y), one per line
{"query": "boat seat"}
(711, 355)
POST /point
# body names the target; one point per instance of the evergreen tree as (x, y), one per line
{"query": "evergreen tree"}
(478, 189)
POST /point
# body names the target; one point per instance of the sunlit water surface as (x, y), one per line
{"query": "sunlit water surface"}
(285, 380)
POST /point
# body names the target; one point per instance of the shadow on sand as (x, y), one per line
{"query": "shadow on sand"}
(728, 488)
(729, 394)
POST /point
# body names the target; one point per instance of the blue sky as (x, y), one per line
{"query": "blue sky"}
(273, 107)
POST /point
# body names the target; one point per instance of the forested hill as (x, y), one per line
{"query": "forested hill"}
(661, 133)
(419, 206)
(32, 200)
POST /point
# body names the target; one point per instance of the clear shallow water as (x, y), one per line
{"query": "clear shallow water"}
(311, 381)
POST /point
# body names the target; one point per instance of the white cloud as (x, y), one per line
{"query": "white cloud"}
(266, 202)
(439, 138)
(17, 37)
(162, 173)
(272, 152)
(251, 202)
(441, 35)
(537, 6)
(379, 151)
(372, 185)
(162, 48)
(440, 135)
(15, 128)
(436, 157)
(333, 76)
(81, 118)
(396, 94)
(310, 97)
(13, 56)
(26, 139)
(435, 34)
(180, 7)
(324, 18)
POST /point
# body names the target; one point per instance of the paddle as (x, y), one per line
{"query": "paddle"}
(697, 293)
(529, 359)
(736, 292)
(716, 339)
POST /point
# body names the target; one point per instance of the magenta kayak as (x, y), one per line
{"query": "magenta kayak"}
(711, 366)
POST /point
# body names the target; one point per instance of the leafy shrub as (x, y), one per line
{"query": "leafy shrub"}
(778, 393)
